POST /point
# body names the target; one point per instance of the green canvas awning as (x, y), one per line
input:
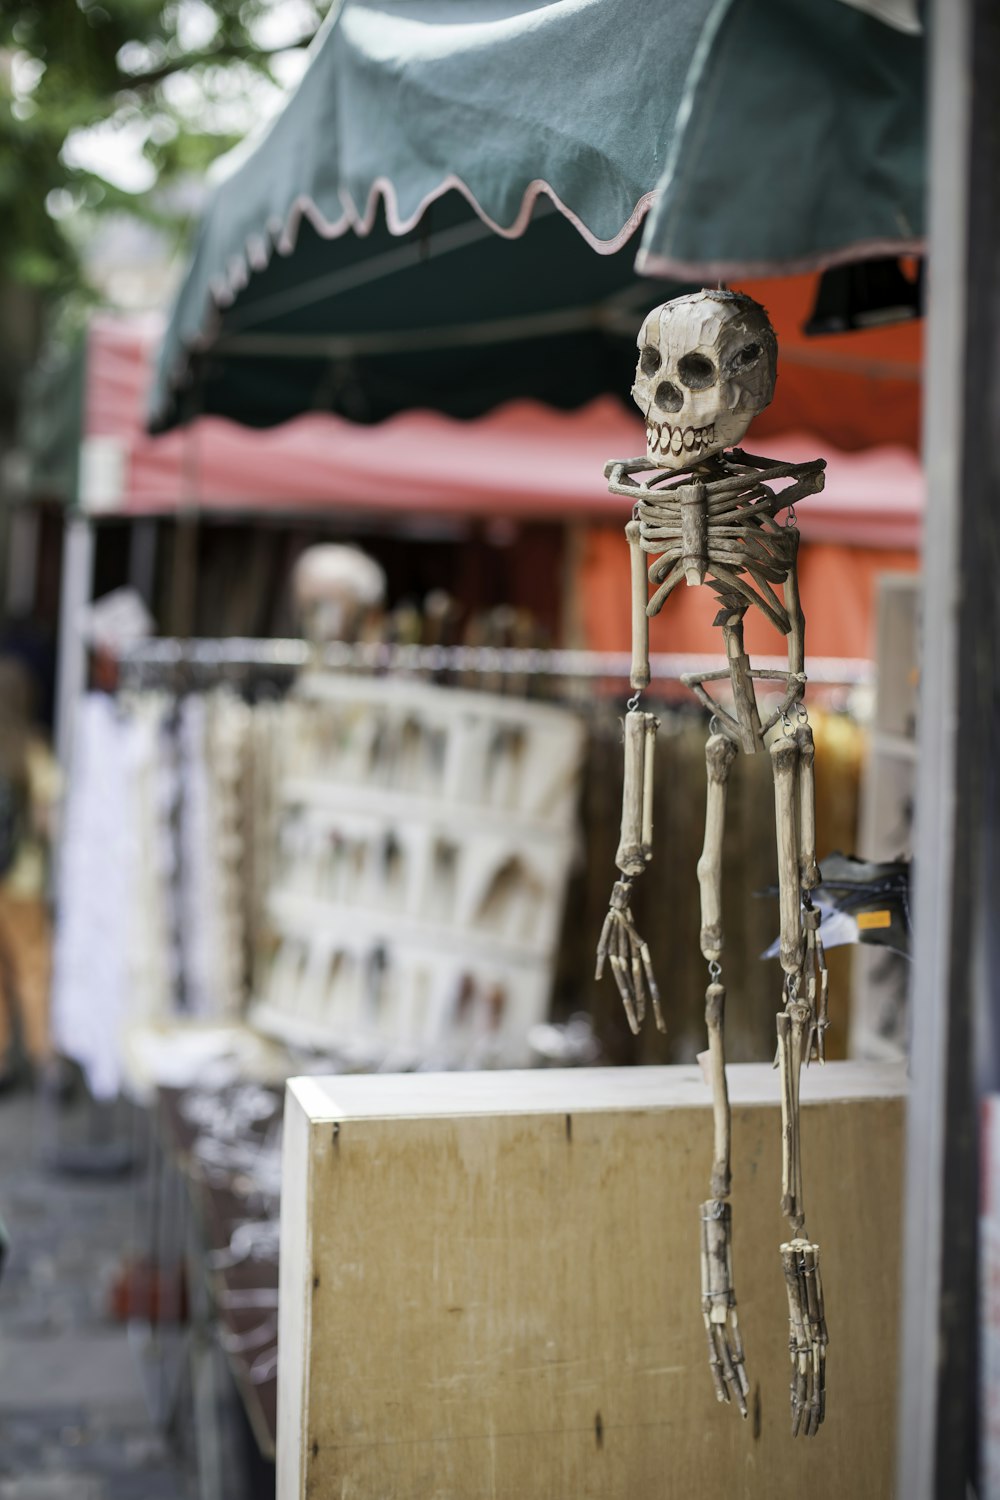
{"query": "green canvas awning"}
(419, 225)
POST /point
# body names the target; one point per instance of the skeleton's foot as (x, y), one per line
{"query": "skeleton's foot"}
(807, 1338)
(628, 954)
(718, 1304)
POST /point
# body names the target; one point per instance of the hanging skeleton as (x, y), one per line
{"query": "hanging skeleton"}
(706, 368)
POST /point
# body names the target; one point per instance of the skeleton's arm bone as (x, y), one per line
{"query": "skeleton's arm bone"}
(793, 1033)
(719, 754)
(639, 675)
(620, 943)
(796, 619)
(635, 847)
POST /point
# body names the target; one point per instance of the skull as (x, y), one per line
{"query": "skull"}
(706, 368)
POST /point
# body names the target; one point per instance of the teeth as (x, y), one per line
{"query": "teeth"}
(675, 440)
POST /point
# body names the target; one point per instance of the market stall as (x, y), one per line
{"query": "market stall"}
(239, 315)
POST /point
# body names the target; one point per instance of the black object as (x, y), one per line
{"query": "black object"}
(861, 902)
(867, 294)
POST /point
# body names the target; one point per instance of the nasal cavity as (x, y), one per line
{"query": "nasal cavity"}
(668, 397)
(696, 371)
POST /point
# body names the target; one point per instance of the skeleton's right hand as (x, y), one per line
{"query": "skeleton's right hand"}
(631, 964)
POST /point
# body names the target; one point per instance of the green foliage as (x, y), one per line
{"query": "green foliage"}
(177, 78)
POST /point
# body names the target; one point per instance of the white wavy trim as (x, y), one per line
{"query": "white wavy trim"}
(282, 235)
(649, 263)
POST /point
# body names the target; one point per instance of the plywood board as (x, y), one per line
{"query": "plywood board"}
(490, 1286)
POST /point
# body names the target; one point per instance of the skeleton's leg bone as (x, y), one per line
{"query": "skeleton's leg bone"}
(809, 876)
(718, 1296)
(744, 698)
(649, 773)
(817, 982)
(793, 1024)
(715, 1015)
(784, 763)
(634, 853)
(719, 755)
(639, 675)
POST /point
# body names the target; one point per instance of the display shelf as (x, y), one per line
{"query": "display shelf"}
(348, 925)
(384, 805)
(425, 836)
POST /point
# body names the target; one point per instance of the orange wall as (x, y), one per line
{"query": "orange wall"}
(838, 596)
(857, 390)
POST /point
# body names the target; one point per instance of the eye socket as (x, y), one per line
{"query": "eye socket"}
(696, 371)
(668, 397)
(649, 360)
(747, 356)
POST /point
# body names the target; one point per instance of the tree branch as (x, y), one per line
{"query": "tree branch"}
(227, 52)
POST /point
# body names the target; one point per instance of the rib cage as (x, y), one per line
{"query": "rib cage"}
(729, 536)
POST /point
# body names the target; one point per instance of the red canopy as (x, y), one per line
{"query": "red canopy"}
(521, 461)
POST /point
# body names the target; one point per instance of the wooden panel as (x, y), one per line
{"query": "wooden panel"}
(490, 1286)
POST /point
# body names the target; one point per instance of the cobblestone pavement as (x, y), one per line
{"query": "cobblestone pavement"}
(73, 1421)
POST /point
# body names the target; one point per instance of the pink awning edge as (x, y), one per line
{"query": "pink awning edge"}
(522, 461)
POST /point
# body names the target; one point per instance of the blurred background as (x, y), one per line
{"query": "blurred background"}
(315, 614)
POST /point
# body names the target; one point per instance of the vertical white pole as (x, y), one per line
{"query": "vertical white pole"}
(75, 595)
